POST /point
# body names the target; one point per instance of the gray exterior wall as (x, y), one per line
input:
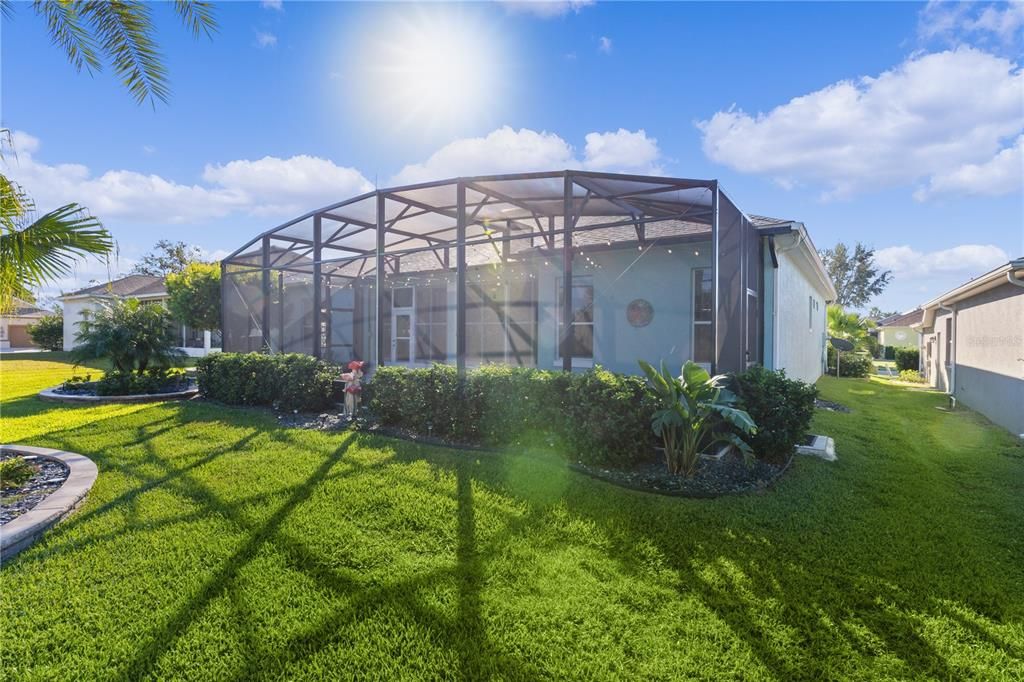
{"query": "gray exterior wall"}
(990, 355)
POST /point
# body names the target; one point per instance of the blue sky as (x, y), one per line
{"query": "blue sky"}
(900, 125)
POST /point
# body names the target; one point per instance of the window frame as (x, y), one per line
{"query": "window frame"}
(577, 281)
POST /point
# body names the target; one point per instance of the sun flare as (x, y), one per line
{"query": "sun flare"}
(430, 68)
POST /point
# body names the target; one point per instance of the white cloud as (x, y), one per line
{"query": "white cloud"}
(268, 186)
(622, 150)
(272, 4)
(148, 149)
(507, 150)
(265, 39)
(966, 259)
(956, 21)
(546, 9)
(604, 44)
(1002, 174)
(287, 186)
(927, 117)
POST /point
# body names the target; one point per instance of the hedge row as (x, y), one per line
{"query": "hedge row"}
(290, 381)
(595, 416)
(907, 359)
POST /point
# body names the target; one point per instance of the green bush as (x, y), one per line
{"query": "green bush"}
(48, 332)
(890, 352)
(594, 416)
(134, 336)
(911, 376)
(782, 409)
(132, 383)
(14, 471)
(851, 365)
(291, 381)
(907, 358)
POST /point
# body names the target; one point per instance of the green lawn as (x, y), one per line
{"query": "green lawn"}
(218, 546)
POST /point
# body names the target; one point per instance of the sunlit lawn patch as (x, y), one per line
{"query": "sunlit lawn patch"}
(216, 545)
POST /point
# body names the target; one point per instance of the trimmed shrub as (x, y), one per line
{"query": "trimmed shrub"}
(131, 383)
(782, 409)
(907, 358)
(48, 332)
(890, 352)
(595, 416)
(290, 381)
(911, 376)
(851, 365)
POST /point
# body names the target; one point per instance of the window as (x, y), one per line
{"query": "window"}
(501, 321)
(703, 312)
(581, 337)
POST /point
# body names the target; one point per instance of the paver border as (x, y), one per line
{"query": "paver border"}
(51, 395)
(26, 529)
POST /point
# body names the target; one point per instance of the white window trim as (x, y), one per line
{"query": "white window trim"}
(577, 363)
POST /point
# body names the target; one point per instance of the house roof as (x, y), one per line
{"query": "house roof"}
(901, 320)
(1011, 271)
(130, 286)
(23, 308)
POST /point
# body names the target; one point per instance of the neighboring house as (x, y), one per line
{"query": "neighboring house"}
(897, 331)
(475, 270)
(145, 288)
(972, 344)
(14, 327)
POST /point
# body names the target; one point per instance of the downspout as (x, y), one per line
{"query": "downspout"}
(1013, 280)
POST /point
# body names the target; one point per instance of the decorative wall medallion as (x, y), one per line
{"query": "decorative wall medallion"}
(639, 313)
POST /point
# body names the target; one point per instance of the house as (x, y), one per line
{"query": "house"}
(556, 270)
(14, 327)
(897, 331)
(145, 288)
(972, 344)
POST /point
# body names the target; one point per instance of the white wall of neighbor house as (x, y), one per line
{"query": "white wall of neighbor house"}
(799, 335)
(73, 309)
(898, 337)
(989, 355)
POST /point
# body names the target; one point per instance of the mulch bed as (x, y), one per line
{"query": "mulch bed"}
(89, 388)
(831, 406)
(726, 476)
(49, 476)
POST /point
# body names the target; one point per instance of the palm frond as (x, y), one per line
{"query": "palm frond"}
(15, 204)
(68, 33)
(47, 248)
(197, 17)
(125, 29)
(6, 9)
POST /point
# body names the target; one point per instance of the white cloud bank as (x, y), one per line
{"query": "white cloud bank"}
(954, 21)
(546, 9)
(507, 150)
(922, 121)
(968, 260)
(264, 187)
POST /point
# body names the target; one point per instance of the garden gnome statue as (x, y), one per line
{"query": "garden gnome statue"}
(353, 387)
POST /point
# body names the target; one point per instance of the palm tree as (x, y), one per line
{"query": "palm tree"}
(34, 250)
(121, 31)
(849, 326)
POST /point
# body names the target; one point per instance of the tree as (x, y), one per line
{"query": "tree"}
(877, 313)
(195, 295)
(856, 277)
(166, 257)
(122, 33)
(133, 336)
(48, 332)
(849, 326)
(38, 250)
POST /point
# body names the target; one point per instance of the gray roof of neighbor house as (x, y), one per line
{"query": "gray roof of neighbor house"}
(132, 285)
(902, 320)
(23, 308)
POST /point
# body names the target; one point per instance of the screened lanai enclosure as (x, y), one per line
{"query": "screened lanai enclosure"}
(555, 270)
